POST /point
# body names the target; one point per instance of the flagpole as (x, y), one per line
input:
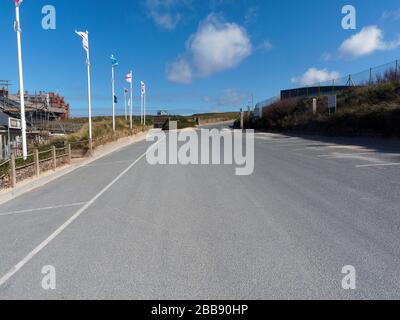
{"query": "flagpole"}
(126, 114)
(113, 97)
(21, 84)
(142, 92)
(141, 108)
(131, 104)
(144, 109)
(89, 101)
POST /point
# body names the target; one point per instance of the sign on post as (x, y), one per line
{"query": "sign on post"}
(14, 124)
(332, 103)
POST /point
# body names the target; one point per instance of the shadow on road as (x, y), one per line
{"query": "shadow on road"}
(381, 145)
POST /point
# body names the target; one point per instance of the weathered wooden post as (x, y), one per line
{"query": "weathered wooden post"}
(54, 155)
(13, 173)
(69, 153)
(37, 163)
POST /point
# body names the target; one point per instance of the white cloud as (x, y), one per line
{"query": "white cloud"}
(391, 15)
(314, 76)
(216, 46)
(180, 71)
(266, 46)
(326, 56)
(167, 13)
(231, 97)
(228, 98)
(367, 41)
(251, 15)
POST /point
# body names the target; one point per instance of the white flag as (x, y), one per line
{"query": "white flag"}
(129, 77)
(85, 39)
(143, 87)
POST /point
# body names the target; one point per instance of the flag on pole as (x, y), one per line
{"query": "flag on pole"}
(85, 39)
(143, 87)
(18, 2)
(114, 61)
(128, 77)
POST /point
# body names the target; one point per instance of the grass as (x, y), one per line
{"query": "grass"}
(182, 122)
(370, 110)
(212, 117)
(101, 129)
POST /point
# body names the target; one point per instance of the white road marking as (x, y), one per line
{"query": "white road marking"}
(279, 140)
(336, 154)
(356, 156)
(42, 209)
(41, 246)
(334, 146)
(378, 165)
(106, 163)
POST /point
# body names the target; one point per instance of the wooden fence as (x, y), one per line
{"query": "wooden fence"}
(17, 169)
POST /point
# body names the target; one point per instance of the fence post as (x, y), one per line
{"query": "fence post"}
(69, 153)
(54, 155)
(37, 163)
(13, 173)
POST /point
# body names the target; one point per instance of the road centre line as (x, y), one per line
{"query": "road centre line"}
(54, 235)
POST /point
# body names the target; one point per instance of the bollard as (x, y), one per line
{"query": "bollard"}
(13, 173)
(54, 155)
(37, 162)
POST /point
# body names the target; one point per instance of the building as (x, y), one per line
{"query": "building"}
(40, 107)
(162, 113)
(43, 112)
(312, 91)
(10, 135)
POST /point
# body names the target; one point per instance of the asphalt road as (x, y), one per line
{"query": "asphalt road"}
(122, 229)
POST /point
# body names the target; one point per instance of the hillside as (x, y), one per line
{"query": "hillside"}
(370, 110)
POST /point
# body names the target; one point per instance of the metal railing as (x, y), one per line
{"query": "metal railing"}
(389, 72)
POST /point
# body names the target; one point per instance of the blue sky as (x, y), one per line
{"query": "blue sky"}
(195, 55)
